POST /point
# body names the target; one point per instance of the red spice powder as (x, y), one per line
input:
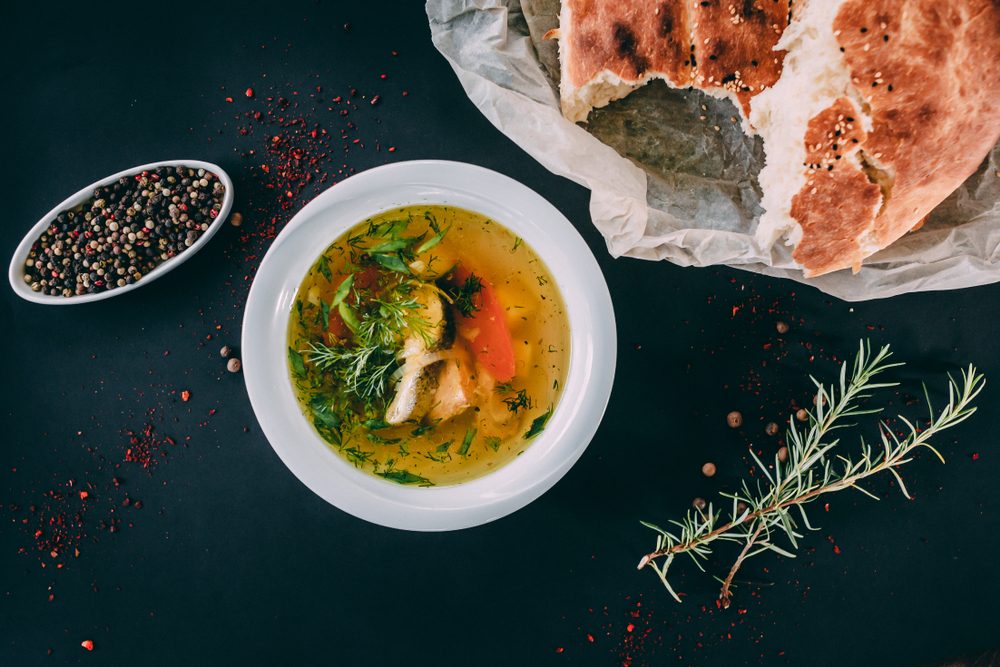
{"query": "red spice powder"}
(146, 448)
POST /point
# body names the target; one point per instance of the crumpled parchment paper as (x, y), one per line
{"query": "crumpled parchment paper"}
(672, 175)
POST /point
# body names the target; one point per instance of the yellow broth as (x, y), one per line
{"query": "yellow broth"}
(504, 417)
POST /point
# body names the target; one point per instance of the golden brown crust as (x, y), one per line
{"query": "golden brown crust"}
(827, 209)
(630, 39)
(734, 43)
(837, 193)
(718, 45)
(929, 71)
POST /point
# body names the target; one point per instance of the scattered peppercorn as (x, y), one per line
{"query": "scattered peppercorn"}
(771, 428)
(802, 415)
(124, 231)
(708, 470)
(783, 454)
(236, 219)
(87, 644)
(734, 419)
(234, 365)
(224, 352)
(699, 504)
(782, 327)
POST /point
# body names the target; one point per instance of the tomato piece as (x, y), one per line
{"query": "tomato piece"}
(486, 329)
(364, 280)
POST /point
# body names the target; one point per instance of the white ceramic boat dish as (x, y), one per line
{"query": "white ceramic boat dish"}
(16, 271)
(592, 345)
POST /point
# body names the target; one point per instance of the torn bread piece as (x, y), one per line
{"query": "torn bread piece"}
(871, 111)
(608, 48)
(883, 109)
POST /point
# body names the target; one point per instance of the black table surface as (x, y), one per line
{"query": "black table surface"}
(230, 559)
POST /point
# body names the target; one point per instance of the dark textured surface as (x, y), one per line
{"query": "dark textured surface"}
(232, 561)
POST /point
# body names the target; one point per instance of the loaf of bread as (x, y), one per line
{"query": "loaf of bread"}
(871, 111)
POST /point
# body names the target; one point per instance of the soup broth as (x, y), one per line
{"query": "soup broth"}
(428, 345)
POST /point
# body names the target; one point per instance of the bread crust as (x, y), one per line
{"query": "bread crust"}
(734, 46)
(610, 47)
(928, 73)
(837, 193)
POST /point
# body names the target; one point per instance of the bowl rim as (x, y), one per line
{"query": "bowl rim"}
(583, 399)
(15, 269)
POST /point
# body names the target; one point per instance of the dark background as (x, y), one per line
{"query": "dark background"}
(232, 560)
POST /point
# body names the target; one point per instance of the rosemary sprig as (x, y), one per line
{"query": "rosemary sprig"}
(759, 514)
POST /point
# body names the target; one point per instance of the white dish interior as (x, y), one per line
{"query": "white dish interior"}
(16, 271)
(592, 345)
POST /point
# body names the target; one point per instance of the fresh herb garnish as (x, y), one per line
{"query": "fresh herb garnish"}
(362, 370)
(321, 403)
(343, 291)
(520, 401)
(467, 441)
(440, 453)
(404, 477)
(463, 296)
(298, 364)
(364, 364)
(393, 245)
(324, 309)
(347, 314)
(492, 442)
(324, 267)
(538, 424)
(421, 429)
(375, 424)
(326, 419)
(433, 241)
(379, 440)
(391, 262)
(356, 456)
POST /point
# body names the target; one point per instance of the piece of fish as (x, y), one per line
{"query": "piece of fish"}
(415, 393)
(453, 394)
(418, 382)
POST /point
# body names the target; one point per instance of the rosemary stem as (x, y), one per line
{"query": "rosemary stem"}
(725, 595)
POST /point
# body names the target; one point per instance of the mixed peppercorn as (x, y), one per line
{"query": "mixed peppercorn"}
(124, 231)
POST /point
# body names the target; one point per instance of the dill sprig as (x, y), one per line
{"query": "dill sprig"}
(520, 401)
(757, 515)
(364, 364)
(363, 370)
(463, 296)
